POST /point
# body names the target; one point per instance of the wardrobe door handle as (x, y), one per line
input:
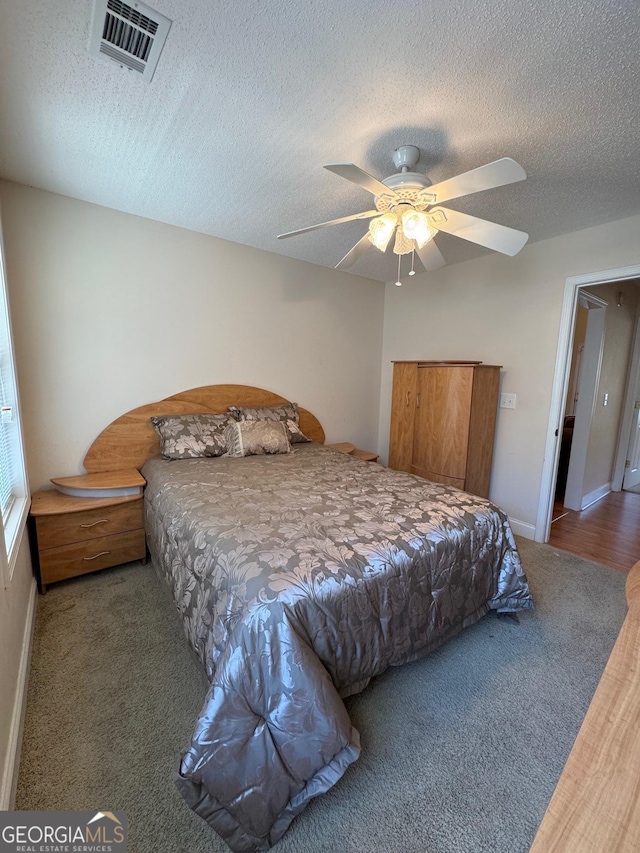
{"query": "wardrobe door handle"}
(93, 523)
(418, 400)
(95, 557)
(407, 398)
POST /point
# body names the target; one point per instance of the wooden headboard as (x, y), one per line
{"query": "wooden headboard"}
(130, 440)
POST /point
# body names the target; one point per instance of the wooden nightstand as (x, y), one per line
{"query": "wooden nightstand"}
(352, 450)
(366, 455)
(72, 535)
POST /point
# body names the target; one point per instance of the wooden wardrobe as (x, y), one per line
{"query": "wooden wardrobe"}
(443, 418)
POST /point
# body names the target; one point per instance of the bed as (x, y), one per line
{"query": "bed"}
(300, 576)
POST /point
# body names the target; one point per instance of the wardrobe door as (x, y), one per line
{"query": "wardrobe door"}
(482, 426)
(441, 432)
(403, 406)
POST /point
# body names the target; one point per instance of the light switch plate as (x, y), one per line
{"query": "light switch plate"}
(507, 401)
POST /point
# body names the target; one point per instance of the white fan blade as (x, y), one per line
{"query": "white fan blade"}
(509, 241)
(358, 176)
(354, 253)
(496, 174)
(431, 256)
(366, 215)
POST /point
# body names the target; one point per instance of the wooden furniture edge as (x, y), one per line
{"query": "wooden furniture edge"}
(53, 502)
(343, 447)
(351, 450)
(123, 479)
(365, 455)
(632, 587)
(596, 804)
(130, 440)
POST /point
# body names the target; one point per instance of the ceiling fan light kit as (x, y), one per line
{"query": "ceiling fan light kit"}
(415, 224)
(381, 230)
(404, 206)
(402, 245)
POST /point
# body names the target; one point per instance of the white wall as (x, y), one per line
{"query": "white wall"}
(111, 311)
(17, 603)
(503, 311)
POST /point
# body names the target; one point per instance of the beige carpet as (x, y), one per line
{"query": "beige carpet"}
(461, 750)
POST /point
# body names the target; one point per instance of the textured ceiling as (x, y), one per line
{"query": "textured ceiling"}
(250, 98)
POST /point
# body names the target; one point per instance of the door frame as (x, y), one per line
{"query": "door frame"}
(574, 497)
(560, 385)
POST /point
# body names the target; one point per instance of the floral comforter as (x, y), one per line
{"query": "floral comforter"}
(299, 577)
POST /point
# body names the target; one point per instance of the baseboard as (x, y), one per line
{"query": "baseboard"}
(595, 495)
(521, 528)
(10, 772)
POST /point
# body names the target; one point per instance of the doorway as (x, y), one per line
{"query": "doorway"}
(587, 382)
(573, 288)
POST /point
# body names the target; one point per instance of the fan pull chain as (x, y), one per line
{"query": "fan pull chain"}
(412, 271)
(398, 282)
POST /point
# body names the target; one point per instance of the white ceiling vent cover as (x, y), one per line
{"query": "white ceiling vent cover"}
(131, 35)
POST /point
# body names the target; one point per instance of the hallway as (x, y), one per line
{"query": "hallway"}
(607, 532)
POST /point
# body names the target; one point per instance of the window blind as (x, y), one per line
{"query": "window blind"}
(7, 440)
(12, 480)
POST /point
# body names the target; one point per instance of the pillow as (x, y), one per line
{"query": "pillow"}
(192, 436)
(286, 413)
(254, 438)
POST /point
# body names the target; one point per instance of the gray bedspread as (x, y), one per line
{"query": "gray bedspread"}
(298, 578)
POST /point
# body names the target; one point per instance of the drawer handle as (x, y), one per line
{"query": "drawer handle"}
(93, 523)
(101, 554)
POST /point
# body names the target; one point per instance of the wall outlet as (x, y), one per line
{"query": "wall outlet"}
(507, 401)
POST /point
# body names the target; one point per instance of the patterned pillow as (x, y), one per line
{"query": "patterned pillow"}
(192, 436)
(256, 437)
(286, 413)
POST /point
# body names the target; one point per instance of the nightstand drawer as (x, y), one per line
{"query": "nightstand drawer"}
(67, 561)
(54, 530)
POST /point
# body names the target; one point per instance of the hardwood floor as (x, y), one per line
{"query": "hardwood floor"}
(607, 532)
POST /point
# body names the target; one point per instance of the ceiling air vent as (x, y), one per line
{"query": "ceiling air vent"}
(131, 35)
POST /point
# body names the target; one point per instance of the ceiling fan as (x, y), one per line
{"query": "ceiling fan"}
(408, 206)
